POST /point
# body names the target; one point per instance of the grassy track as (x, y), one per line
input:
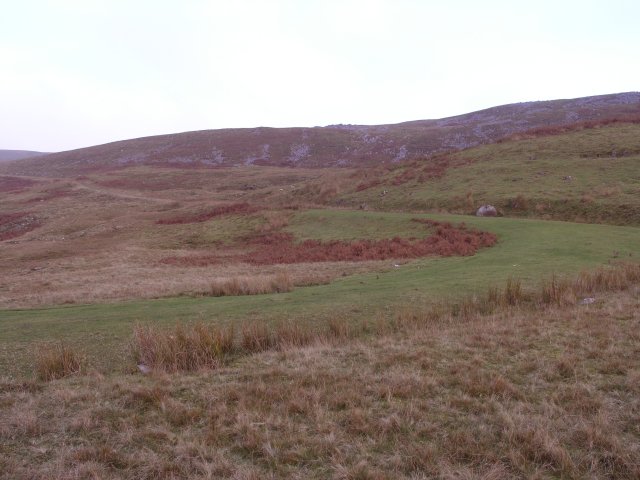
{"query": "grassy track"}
(527, 249)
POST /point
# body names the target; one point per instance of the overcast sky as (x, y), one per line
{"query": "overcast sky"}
(75, 73)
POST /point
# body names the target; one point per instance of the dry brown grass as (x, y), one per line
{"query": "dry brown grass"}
(99, 241)
(195, 347)
(53, 361)
(515, 394)
(135, 274)
(566, 291)
(252, 285)
(183, 348)
(559, 291)
(257, 337)
(188, 348)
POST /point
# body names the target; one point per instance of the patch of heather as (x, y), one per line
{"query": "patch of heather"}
(13, 184)
(230, 209)
(52, 195)
(13, 225)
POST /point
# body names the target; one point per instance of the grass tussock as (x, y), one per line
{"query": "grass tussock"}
(187, 348)
(555, 291)
(290, 334)
(182, 348)
(566, 291)
(606, 279)
(53, 361)
(252, 285)
(257, 337)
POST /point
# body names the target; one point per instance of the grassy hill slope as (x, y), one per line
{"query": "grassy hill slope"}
(337, 145)
(589, 175)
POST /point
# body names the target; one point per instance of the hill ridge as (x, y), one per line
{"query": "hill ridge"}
(11, 155)
(334, 145)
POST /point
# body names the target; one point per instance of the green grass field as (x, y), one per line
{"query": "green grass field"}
(527, 249)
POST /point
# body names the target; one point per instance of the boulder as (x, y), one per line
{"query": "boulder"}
(487, 211)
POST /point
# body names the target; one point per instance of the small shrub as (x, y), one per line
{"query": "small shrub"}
(56, 361)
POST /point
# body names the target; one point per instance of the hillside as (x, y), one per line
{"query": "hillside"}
(590, 174)
(10, 155)
(331, 146)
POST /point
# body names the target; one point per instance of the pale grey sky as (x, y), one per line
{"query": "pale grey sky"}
(75, 73)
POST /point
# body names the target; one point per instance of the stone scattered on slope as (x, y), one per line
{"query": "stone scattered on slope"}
(487, 211)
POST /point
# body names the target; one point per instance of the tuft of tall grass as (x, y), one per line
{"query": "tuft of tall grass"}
(290, 334)
(566, 291)
(513, 294)
(55, 361)
(256, 337)
(340, 329)
(252, 285)
(182, 348)
(556, 291)
(619, 277)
